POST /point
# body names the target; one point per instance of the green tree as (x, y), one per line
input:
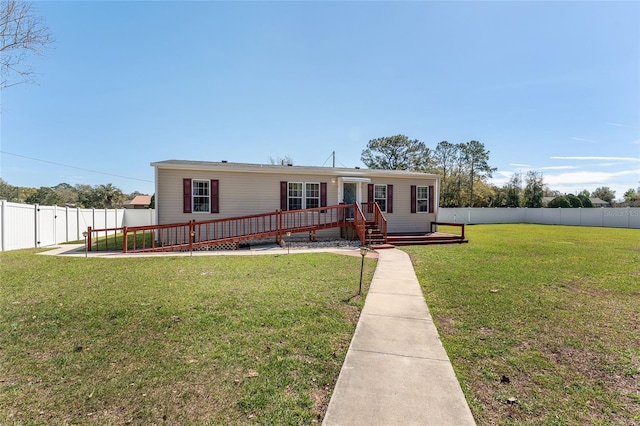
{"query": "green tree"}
(396, 153)
(513, 191)
(8, 192)
(584, 199)
(476, 159)
(67, 193)
(605, 194)
(561, 202)
(498, 196)
(445, 156)
(631, 195)
(574, 201)
(108, 196)
(45, 196)
(584, 193)
(533, 190)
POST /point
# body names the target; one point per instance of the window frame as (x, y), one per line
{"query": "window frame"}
(377, 199)
(424, 208)
(290, 197)
(306, 195)
(196, 196)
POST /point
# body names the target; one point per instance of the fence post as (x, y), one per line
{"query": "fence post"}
(88, 240)
(55, 225)
(66, 224)
(3, 218)
(36, 224)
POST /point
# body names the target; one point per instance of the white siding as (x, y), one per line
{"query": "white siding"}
(252, 192)
(240, 194)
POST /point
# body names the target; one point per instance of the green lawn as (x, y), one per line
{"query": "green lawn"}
(174, 340)
(542, 323)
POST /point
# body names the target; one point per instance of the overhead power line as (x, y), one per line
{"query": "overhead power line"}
(74, 167)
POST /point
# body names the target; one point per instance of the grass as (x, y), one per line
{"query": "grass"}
(542, 323)
(115, 241)
(174, 340)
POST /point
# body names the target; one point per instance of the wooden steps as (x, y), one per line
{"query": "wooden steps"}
(425, 239)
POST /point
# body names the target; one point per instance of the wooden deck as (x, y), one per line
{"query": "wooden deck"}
(367, 223)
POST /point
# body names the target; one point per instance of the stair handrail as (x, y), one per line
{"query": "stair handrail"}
(360, 224)
(380, 220)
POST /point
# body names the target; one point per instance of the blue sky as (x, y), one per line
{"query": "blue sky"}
(548, 86)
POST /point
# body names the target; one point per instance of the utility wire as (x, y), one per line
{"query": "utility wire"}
(74, 167)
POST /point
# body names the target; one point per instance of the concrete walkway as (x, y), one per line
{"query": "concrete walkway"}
(396, 371)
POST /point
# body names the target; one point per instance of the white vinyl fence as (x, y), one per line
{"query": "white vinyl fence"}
(626, 217)
(31, 226)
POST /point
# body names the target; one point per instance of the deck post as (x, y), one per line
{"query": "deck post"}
(124, 239)
(279, 220)
(88, 241)
(192, 234)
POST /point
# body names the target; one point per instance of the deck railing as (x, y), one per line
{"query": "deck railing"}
(192, 235)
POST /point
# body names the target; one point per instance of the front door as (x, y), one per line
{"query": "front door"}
(350, 196)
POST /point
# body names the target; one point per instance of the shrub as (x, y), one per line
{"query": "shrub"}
(574, 201)
(559, 202)
(586, 202)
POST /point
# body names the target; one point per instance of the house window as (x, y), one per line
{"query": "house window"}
(380, 196)
(200, 199)
(422, 199)
(312, 195)
(295, 195)
(301, 195)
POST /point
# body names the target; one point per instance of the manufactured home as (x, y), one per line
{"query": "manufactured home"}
(203, 190)
(213, 205)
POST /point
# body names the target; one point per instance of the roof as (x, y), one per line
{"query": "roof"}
(598, 201)
(293, 170)
(139, 200)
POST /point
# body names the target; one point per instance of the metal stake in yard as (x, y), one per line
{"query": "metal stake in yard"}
(84, 234)
(363, 253)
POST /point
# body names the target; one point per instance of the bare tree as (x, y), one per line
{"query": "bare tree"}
(284, 161)
(22, 33)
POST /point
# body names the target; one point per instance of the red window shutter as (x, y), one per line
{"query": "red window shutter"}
(284, 190)
(413, 198)
(323, 194)
(186, 195)
(370, 197)
(215, 196)
(389, 198)
(431, 200)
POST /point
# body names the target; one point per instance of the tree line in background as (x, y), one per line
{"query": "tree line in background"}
(465, 172)
(464, 169)
(83, 196)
